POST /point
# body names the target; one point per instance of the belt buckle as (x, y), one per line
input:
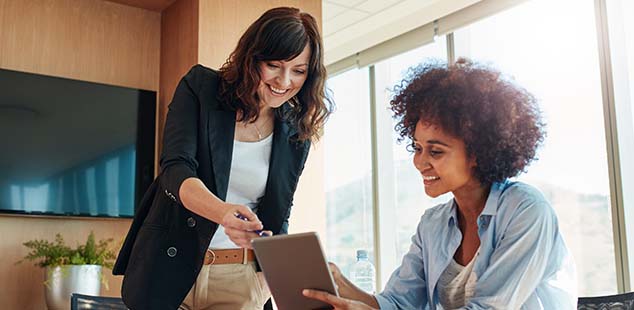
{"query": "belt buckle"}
(213, 256)
(244, 256)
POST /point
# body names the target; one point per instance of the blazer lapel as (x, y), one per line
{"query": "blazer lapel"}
(279, 165)
(282, 178)
(221, 129)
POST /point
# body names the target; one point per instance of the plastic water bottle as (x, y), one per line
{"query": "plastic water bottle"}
(362, 273)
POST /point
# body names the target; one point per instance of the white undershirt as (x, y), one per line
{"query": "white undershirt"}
(456, 284)
(247, 181)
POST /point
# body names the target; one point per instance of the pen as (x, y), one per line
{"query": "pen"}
(260, 232)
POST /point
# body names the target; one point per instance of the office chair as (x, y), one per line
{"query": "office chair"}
(612, 302)
(85, 302)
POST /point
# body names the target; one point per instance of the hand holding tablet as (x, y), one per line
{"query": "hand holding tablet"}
(292, 263)
(339, 303)
(350, 296)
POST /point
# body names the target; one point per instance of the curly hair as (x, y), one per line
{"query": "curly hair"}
(279, 34)
(499, 121)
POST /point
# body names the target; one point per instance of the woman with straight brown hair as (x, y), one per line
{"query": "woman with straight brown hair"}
(235, 144)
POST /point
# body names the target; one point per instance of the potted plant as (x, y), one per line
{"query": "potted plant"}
(71, 270)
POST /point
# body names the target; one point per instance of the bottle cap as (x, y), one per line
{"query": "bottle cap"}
(362, 254)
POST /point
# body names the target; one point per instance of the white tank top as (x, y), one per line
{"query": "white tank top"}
(247, 181)
(457, 284)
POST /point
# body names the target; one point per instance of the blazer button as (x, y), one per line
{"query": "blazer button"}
(171, 251)
(191, 222)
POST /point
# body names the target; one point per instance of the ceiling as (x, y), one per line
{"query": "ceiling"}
(340, 14)
(350, 26)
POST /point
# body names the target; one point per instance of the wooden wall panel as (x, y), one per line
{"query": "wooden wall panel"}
(179, 51)
(21, 285)
(223, 22)
(89, 40)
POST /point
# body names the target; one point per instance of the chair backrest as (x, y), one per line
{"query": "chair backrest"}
(84, 302)
(612, 302)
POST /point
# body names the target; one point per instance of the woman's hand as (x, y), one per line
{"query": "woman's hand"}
(338, 303)
(238, 230)
(348, 291)
(345, 288)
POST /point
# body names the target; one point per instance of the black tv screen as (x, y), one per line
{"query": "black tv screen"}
(72, 147)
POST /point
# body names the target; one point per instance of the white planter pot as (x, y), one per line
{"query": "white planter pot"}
(62, 281)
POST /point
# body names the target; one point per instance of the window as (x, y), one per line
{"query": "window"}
(620, 19)
(576, 57)
(551, 50)
(406, 199)
(348, 170)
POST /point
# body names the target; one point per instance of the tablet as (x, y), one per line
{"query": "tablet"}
(292, 263)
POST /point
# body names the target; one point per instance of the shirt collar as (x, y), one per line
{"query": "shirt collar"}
(490, 207)
(453, 213)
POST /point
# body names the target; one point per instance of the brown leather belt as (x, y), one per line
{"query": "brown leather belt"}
(229, 256)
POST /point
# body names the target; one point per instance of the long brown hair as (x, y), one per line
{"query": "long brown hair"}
(279, 34)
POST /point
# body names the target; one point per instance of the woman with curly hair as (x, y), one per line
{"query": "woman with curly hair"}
(496, 244)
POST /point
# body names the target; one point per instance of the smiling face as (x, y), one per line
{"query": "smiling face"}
(442, 161)
(281, 80)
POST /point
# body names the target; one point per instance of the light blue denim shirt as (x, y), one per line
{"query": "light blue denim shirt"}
(523, 262)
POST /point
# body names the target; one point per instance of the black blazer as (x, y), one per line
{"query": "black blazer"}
(165, 247)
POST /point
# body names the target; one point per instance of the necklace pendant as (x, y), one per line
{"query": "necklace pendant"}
(257, 131)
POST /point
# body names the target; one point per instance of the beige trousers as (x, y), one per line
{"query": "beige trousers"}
(230, 287)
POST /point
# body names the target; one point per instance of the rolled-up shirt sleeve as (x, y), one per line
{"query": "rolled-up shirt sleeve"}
(178, 158)
(407, 287)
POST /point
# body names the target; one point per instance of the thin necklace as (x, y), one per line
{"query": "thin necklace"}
(257, 130)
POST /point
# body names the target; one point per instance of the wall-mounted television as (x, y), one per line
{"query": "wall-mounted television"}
(73, 148)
